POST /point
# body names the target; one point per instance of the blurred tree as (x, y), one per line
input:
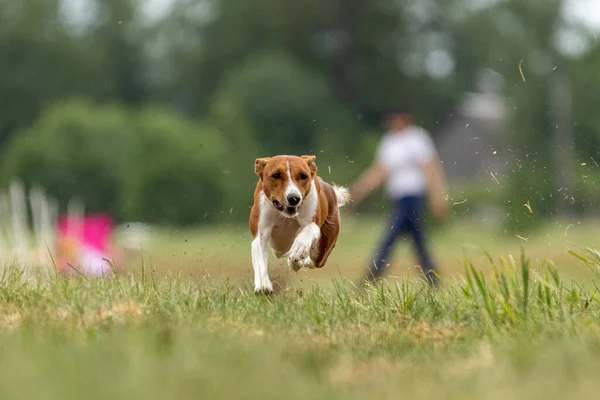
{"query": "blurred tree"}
(116, 37)
(230, 119)
(151, 165)
(39, 61)
(176, 174)
(585, 83)
(295, 76)
(360, 48)
(521, 44)
(74, 149)
(45, 58)
(586, 127)
(285, 104)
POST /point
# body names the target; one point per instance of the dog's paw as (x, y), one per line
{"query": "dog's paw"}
(294, 266)
(297, 265)
(263, 288)
(301, 248)
(263, 292)
(308, 263)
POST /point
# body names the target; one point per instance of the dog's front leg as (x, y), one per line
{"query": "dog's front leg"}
(260, 259)
(305, 240)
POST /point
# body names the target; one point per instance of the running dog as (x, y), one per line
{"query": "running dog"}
(294, 211)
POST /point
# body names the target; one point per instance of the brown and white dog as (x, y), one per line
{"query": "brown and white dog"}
(296, 212)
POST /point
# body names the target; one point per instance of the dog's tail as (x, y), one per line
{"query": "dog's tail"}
(342, 195)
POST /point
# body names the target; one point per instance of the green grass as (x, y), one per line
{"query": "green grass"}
(517, 332)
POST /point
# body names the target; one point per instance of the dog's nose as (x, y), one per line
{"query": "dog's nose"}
(293, 200)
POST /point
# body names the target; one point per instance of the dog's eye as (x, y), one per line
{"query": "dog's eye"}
(303, 177)
(276, 175)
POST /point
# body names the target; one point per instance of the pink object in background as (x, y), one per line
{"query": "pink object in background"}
(84, 243)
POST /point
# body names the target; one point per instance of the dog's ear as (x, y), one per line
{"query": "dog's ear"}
(310, 160)
(259, 166)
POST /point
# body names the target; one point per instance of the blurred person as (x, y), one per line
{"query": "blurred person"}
(408, 162)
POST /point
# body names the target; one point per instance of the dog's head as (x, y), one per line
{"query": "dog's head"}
(286, 181)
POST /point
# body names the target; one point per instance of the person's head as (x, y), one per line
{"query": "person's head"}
(397, 119)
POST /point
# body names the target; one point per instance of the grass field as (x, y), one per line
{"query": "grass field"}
(224, 253)
(507, 328)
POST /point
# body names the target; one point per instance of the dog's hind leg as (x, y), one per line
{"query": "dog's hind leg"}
(329, 235)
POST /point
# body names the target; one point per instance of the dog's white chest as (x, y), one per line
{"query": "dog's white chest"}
(283, 235)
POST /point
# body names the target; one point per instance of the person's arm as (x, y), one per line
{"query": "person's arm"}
(370, 180)
(436, 185)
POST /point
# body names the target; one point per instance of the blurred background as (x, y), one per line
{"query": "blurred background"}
(153, 111)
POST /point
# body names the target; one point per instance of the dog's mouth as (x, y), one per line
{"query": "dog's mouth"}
(278, 205)
(291, 211)
(286, 210)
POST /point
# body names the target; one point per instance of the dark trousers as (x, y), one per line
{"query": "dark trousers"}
(406, 218)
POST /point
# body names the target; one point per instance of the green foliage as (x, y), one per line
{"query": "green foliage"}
(230, 119)
(314, 84)
(149, 165)
(175, 174)
(585, 84)
(74, 149)
(358, 48)
(530, 180)
(285, 104)
(39, 63)
(47, 58)
(587, 190)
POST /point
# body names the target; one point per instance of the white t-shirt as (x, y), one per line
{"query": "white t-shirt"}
(403, 155)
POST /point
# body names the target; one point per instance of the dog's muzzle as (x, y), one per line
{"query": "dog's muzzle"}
(286, 209)
(278, 205)
(291, 210)
(292, 201)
